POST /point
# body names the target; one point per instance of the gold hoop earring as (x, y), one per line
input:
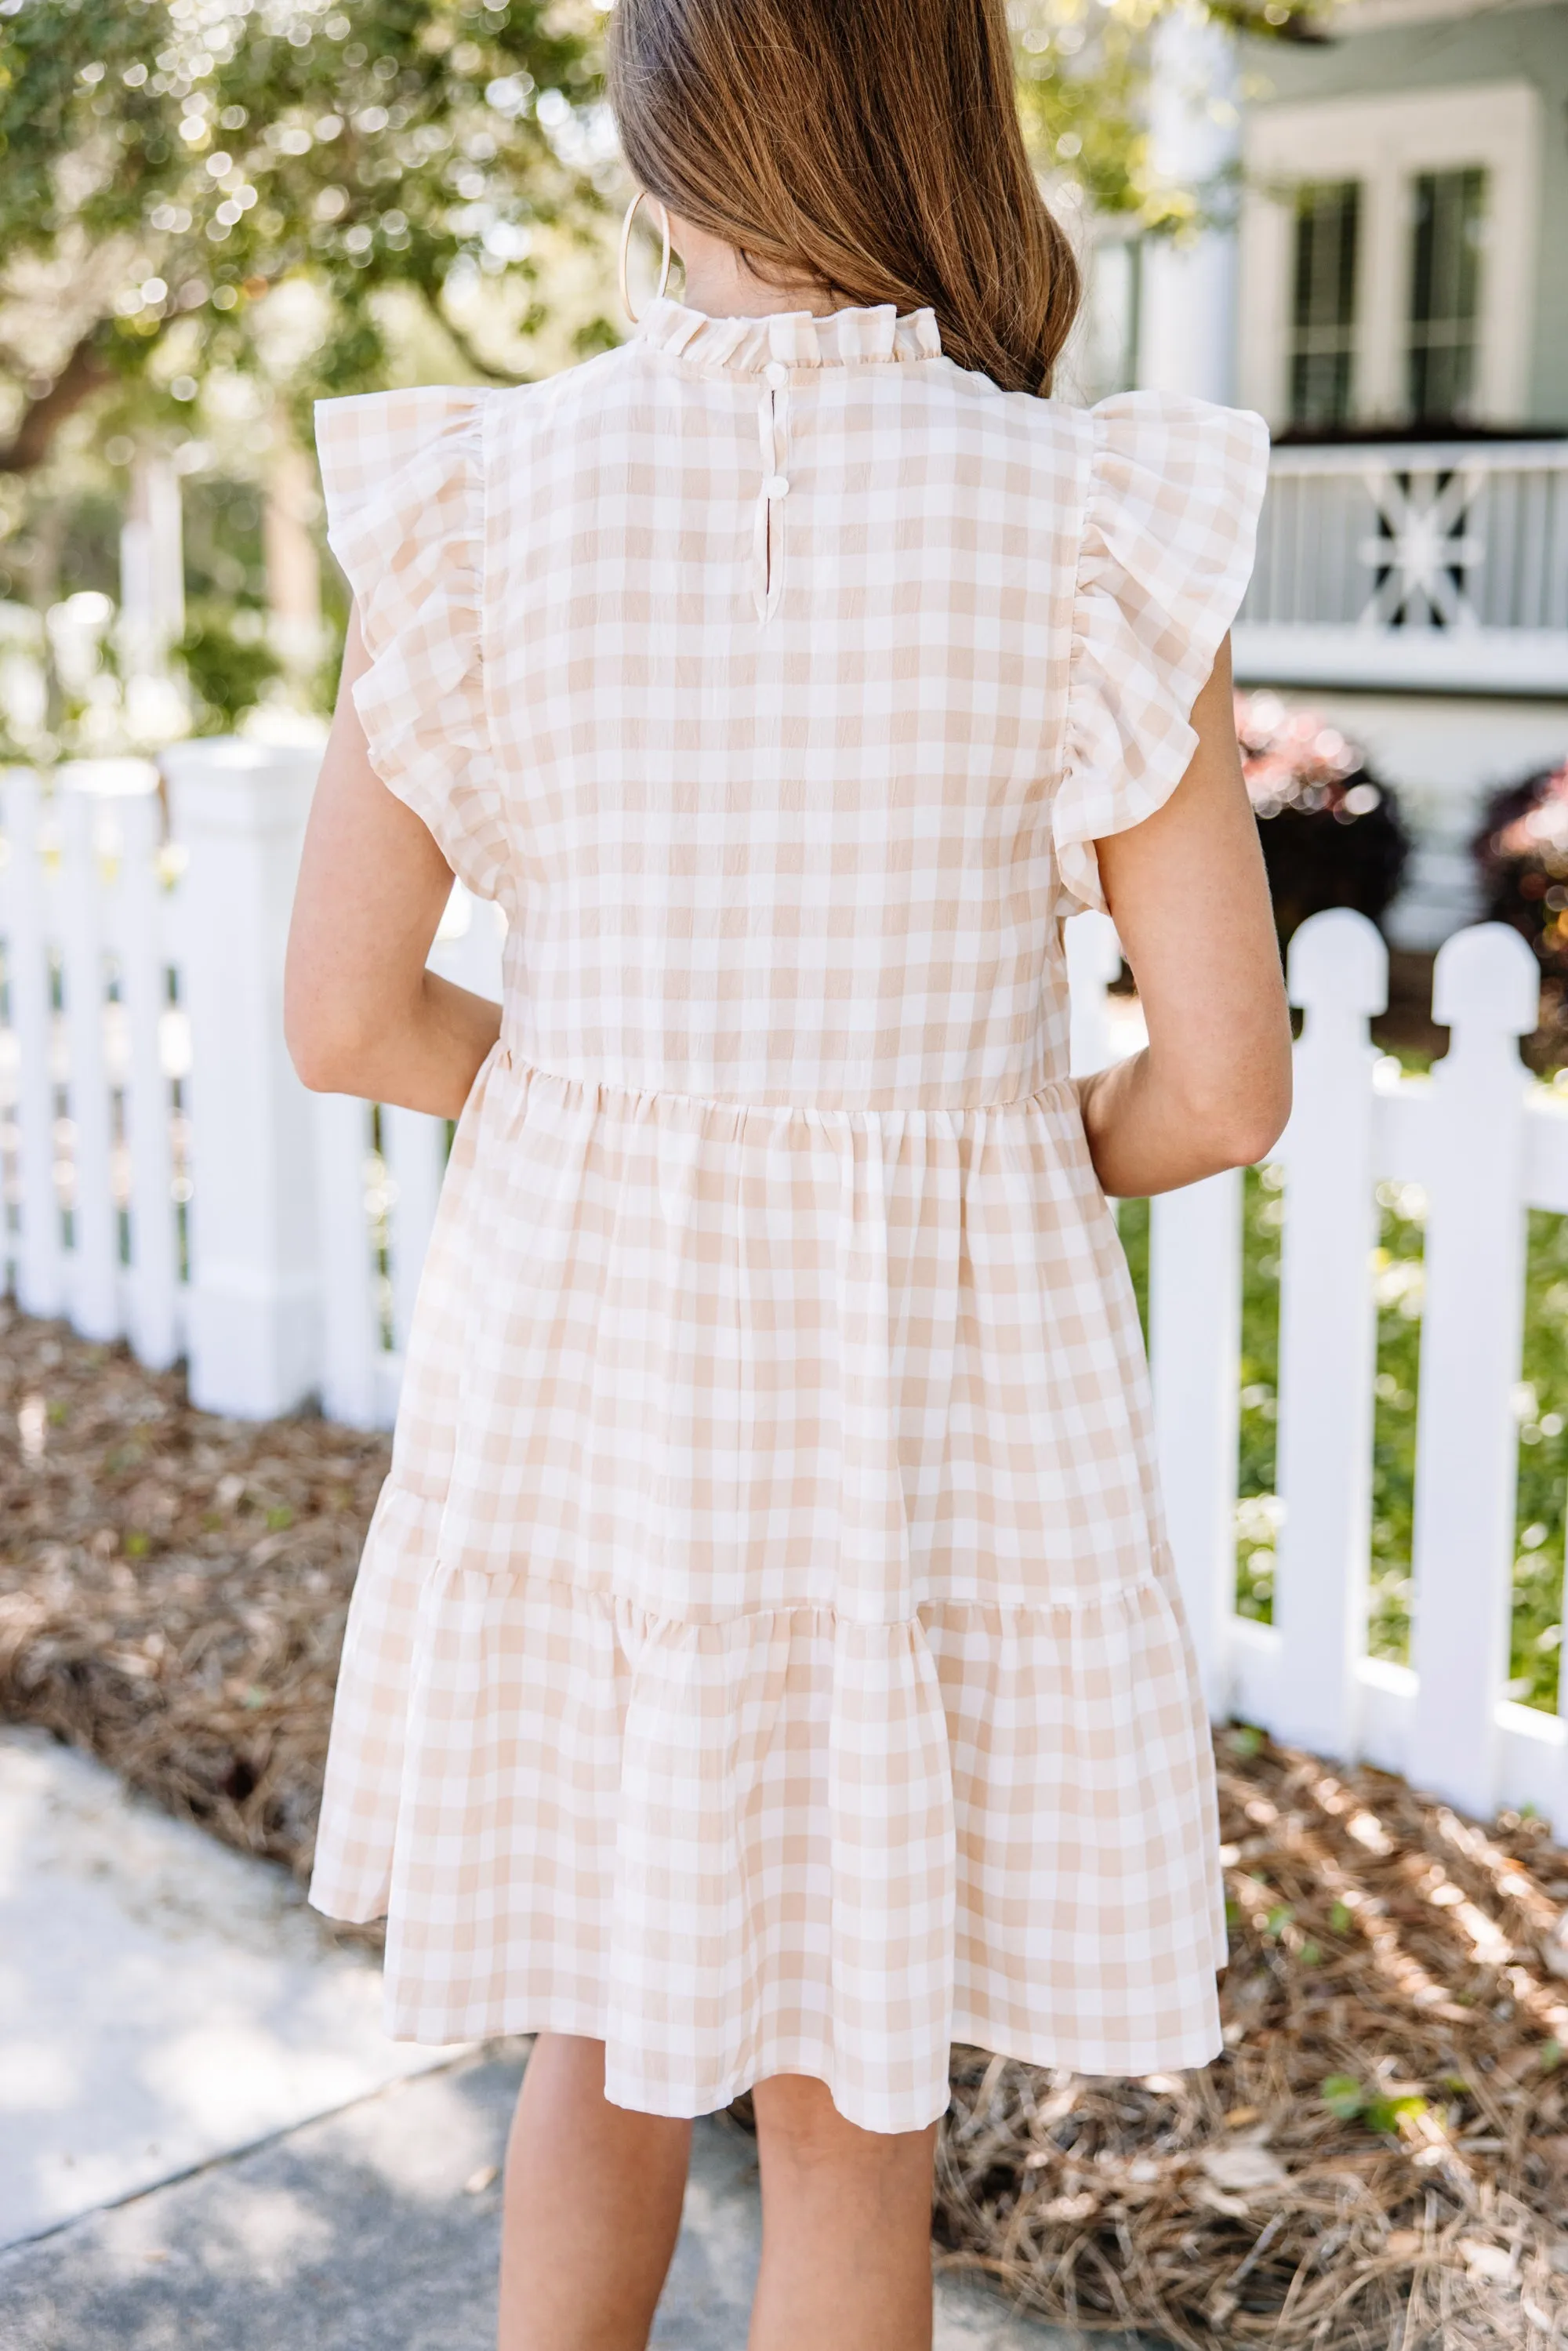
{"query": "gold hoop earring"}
(626, 248)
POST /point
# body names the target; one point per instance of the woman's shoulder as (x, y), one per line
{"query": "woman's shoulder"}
(1173, 432)
(391, 422)
(1127, 433)
(1174, 485)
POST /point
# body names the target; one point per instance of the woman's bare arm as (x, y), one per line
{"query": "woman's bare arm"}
(1187, 893)
(361, 1014)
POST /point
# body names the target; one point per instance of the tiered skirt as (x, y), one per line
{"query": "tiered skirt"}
(765, 1656)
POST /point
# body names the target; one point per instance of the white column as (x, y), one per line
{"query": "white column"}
(1486, 988)
(1186, 329)
(151, 563)
(293, 567)
(152, 600)
(239, 809)
(1328, 1333)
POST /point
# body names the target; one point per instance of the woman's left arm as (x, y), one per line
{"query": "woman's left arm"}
(361, 1012)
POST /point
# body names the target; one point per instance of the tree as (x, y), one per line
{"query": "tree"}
(1083, 69)
(166, 163)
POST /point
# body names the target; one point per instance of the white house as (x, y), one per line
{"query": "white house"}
(1393, 294)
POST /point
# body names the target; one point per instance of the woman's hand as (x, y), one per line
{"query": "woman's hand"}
(361, 1012)
(1190, 901)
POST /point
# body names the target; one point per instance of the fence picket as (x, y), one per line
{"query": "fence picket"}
(351, 1338)
(1328, 1333)
(40, 1257)
(93, 1275)
(289, 1296)
(415, 1151)
(1093, 960)
(143, 988)
(1486, 988)
(1195, 1325)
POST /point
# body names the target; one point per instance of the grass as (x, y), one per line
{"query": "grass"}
(1540, 1404)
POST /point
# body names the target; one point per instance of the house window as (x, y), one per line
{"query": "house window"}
(1444, 293)
(1323, 317)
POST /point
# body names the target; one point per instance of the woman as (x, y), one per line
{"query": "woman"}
(767, 1667)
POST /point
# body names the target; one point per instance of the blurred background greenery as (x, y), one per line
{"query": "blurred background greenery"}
(214, 213)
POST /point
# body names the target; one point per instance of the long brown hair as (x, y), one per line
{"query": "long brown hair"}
(869, 146)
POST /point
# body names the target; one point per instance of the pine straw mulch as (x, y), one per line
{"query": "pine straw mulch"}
(173, 1586)
(1379, 2162)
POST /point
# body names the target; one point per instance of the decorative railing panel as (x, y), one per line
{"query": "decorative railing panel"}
(1432, 564)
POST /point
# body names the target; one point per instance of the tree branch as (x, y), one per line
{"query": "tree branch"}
(85, 372)
(465, 350)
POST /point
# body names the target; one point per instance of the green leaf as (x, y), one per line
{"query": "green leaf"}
(1381, 2113)
(192, 151)
(1343, 2096)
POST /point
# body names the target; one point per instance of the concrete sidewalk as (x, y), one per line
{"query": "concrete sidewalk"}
(163, 2000)
(165, 2005)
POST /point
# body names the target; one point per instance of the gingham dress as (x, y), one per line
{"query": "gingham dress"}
(765, 1656)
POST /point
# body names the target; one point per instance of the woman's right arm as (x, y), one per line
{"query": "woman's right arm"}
(361, 1012)
(1187, 893)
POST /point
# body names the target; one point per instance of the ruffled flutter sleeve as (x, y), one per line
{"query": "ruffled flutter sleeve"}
(1169, 527)
(403, 473)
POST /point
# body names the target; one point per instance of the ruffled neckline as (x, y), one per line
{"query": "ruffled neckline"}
(796, 338)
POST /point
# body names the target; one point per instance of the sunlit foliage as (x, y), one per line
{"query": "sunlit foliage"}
(166, 163)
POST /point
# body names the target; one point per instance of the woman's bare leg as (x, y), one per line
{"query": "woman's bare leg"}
(592, 2206)
(846, 2228)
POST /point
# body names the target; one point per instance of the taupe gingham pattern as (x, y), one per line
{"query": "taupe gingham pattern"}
(766, 1657)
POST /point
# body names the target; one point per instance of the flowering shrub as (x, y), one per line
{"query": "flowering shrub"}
(1332, 834)
(1521, 860)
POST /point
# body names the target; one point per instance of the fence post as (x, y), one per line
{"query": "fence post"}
(1328, 1333)
(1486, 990)
(40, 1257)
(238, 808)
(1195, 1321)
(144, 964)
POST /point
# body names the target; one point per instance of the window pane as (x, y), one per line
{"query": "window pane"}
(1444, 293)
(1322, 318)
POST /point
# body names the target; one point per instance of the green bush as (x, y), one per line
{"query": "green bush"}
(228, 665)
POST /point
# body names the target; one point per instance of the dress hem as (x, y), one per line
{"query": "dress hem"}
(1191, 2053)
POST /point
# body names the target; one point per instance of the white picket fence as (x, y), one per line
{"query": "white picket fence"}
(168, 1179)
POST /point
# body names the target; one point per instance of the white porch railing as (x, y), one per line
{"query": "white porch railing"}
(1421, 565)
(167, 1178)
